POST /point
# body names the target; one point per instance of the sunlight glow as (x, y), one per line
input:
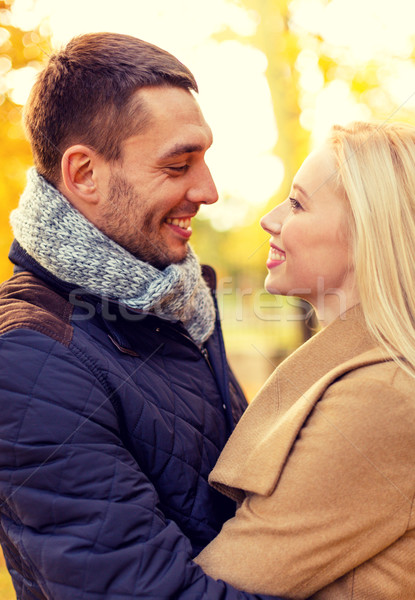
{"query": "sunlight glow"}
(20, 82)
(234, 93)
(365, 29)
(355, 34)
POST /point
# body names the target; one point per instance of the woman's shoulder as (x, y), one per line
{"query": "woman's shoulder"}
(375, 401)
(384, 374)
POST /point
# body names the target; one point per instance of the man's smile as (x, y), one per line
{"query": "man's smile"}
(184, 223)
(181, 226)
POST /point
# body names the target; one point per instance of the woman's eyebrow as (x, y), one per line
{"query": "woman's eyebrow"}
(301, 189)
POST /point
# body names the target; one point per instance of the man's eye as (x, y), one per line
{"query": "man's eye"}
(295, 205)
(179, 169)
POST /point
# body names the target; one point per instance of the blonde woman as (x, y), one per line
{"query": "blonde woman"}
(323, 461)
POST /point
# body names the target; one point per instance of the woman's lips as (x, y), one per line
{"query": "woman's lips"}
(276, 257)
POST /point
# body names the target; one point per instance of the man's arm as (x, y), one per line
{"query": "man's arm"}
(75, 505)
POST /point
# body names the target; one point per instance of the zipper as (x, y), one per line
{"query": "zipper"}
(202, 350)
(205, 355)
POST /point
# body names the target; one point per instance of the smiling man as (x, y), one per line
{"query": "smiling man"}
(158, 183)
(116, 397)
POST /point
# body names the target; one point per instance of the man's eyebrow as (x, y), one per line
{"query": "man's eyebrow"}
(180, 149)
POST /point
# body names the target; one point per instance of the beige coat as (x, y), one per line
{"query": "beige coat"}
(323, 462)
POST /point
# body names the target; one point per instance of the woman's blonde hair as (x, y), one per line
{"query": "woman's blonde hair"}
(376, 169)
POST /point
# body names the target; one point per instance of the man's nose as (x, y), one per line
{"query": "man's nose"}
(203, 190)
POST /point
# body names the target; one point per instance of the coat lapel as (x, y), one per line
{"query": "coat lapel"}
(254, 457)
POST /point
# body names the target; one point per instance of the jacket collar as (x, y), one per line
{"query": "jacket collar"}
(121, 333)
(24, 262)
(271, 423)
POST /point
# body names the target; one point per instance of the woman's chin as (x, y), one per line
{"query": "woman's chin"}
(271, 287)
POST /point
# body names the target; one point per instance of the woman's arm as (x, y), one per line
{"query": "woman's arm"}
(345, 494)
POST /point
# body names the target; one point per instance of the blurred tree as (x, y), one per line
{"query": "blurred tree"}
(19, 49)
(243, 251)
(294, 50)
(281, 48)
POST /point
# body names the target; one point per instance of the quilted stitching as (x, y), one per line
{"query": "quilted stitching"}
(133, 420)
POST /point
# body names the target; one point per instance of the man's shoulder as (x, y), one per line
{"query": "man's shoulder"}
(27, 302)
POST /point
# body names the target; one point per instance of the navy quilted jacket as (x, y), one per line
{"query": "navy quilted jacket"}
(110, 424)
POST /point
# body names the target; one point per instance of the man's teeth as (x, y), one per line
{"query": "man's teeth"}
(275, 255)
(183, 223)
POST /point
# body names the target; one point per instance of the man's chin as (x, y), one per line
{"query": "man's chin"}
(170, 257)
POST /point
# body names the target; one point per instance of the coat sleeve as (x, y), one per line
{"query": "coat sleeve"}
(344, 495)
(78, 516)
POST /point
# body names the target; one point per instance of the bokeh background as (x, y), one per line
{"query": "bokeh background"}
(274, 75)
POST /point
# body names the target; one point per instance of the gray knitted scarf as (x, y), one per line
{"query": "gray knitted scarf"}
(67, 245)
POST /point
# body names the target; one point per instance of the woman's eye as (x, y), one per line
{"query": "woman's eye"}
(295, 205)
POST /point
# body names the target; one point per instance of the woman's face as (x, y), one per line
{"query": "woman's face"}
(311, 247)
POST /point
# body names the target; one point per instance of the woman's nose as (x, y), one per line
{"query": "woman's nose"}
(271, 222)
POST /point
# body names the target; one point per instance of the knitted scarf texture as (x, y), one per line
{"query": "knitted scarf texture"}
(70, 247)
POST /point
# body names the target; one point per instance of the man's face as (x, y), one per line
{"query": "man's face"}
(157, 187)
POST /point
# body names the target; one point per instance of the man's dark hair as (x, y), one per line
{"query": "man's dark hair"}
(84, 96)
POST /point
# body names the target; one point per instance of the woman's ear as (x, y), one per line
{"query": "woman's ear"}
(78, 182)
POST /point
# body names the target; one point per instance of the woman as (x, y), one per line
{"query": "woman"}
(323, 461)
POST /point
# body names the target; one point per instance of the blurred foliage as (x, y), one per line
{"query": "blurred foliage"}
(281, 47)
(240, 252)
(244, 261)
(292, 51)
(18, 49)
(284, 44)
(6, 587)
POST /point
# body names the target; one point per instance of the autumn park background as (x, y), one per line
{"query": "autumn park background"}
(274, 75)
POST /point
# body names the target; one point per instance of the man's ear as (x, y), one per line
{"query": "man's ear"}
(79, 181)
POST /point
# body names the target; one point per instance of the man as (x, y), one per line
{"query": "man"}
(116, 398)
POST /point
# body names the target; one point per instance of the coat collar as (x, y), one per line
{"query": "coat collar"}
(255, 454)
